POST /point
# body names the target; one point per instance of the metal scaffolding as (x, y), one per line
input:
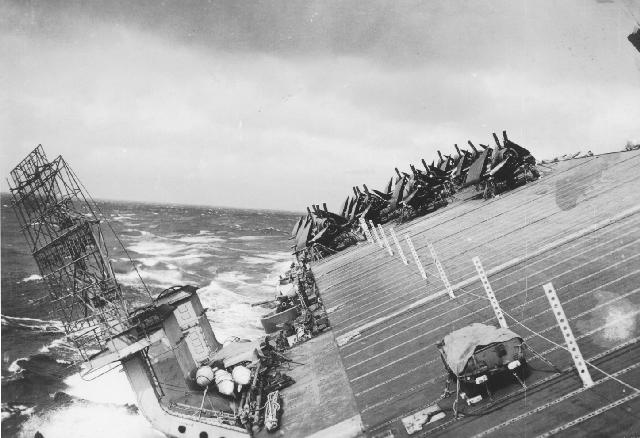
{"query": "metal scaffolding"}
(62, 228)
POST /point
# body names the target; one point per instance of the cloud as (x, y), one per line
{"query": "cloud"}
(282, 105)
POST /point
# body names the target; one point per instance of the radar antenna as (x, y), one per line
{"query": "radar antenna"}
(63, 232)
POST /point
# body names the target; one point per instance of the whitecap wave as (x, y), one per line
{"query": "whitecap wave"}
(281, 257)
(249, 238)
(19, 319)
(233, 277)
(122, 217)
(160, 278)
(14, 367)
(55, 344)
(203, 237)
(150, 243)
(35, 324)
(277, 269)
(277, 255)
(186, 250)
(11, 409)
(256, 260)
(82, 419)
(231, 314)
(157, 246)
(32, 277)
(111, 387)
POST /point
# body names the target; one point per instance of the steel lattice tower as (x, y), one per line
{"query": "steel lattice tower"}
(62, 228)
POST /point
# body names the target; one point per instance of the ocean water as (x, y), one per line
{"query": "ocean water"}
(233, 255)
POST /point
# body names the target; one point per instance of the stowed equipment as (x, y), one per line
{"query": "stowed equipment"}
(477, 354)
(502, 168)
(407, 195)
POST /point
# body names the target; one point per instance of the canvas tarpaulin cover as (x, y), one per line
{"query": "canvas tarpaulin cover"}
(460, 345)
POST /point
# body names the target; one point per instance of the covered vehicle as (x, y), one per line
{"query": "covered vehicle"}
(479, 350)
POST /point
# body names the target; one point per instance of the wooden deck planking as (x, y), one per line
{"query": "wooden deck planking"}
(391, 366)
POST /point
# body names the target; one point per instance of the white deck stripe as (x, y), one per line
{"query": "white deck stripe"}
(546, 329)
(503, 287)
(518, 391)
(341, 330)
(487, 307)
(585, 231)
(449, 215)
(590, 415)
(554, 402)
(551, 238)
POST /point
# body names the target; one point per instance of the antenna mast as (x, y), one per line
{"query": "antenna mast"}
(63, 232)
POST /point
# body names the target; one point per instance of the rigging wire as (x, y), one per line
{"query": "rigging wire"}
(341, 272)
(484, 412)
(113, 231)
(462, 289)
(558, 370)
(566, 349)
(405, 276)
(559, 346)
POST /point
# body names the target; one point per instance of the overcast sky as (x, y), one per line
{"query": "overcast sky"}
(280, 104)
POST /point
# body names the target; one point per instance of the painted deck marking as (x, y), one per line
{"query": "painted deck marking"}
(519, 391)
(530, 337)
(572, 345)
(539, 271)
(443, 275)
(553, 402)
(385, 240)
(557, 276)
(365, 230)
(400, 251)
(429, 321)
(489, 290)
(589, 415)
(375, 234)
(415, 256)
(547, 247)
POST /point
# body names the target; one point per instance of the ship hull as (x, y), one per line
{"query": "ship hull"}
(172, 424)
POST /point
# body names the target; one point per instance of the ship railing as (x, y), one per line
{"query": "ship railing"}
(91, 373)
(93, 332)
(223, 417)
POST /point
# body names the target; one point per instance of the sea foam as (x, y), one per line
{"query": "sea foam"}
(111, 387)
(82, 419)
(32, 277)
(230, 313)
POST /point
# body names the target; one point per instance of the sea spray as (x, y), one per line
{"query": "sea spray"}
(177, 245)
